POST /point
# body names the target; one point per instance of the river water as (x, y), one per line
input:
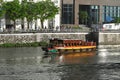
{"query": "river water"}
(31, 64)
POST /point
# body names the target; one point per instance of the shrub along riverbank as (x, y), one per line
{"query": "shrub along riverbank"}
(33, 44)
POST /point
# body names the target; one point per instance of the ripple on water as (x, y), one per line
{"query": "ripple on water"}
(79, 68)
(96, 71)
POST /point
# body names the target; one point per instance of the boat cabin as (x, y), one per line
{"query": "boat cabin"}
(69, 45)
(70, 42)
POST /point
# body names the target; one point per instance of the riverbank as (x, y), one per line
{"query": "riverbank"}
(38, 37)
(33, 44)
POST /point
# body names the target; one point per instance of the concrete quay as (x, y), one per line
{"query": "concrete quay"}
(104, 39)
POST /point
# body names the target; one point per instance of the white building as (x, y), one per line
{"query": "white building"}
(47, 23)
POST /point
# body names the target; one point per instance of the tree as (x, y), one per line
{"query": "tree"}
(36, 13)
(2, 11)
(46, 10)
(30, 12)
(23, 12)
(12, 10)
(83, 16)
(1, 8)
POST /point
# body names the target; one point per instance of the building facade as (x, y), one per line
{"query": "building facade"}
(98, 11)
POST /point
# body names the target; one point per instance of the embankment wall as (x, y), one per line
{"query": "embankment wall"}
(37, 37)
(104, 38)
(109, 40)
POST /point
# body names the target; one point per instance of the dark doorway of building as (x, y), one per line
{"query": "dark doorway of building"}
(84, 13)
(88, 14)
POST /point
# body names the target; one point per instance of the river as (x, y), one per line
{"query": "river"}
(31, 64)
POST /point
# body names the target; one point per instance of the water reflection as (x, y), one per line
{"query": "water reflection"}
(32, 64)
(76, 58)
(70, 58)
(33, 56)
(108, 56)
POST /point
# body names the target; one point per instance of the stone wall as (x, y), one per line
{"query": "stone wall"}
(37, 37)
(109, 38)
(104, 38)
(17, 38)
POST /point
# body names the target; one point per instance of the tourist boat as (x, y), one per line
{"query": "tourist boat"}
(69, 45)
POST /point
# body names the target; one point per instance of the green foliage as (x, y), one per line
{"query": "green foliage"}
(83, 16)
(117, 20)
(43, 10)
(1, 8)
(1, 11)
(12, 9)
(43, 43)
(23, 9)
(77, 27)
(1, 1)
(46, 10)
(7, 45)
(30, 11)
(33, 44)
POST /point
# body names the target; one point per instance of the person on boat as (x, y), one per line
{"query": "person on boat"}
(51, 49)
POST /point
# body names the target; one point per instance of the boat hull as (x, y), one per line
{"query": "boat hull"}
(75, 49)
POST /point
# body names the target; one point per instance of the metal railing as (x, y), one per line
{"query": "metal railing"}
(59, 31)
(46, 31)
(109, 31)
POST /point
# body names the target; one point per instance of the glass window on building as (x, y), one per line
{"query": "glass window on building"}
(110, 12)
(67, 14)
(95, 14)
(118, 12)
